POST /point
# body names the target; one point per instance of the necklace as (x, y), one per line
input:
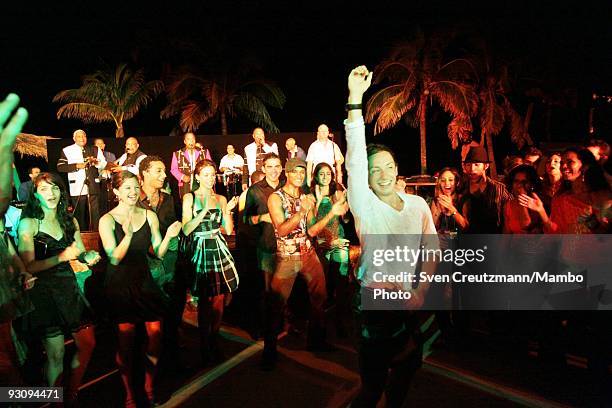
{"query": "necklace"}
(291, 195)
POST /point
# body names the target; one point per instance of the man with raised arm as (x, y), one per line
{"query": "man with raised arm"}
(389, 349)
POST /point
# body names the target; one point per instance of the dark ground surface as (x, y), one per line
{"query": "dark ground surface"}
(482, 373)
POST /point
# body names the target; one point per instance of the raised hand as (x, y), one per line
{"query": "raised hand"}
(446, 202)
(307, 203)
(340, 207)
(533, 203)
(231, 204)
(8, 136)
(9, 133)
(400, 185)
(128, 228)
(174, 229)
(359, 81)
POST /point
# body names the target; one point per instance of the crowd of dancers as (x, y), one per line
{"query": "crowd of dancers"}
(293, 217)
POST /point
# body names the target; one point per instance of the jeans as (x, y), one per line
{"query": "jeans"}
(287, 269)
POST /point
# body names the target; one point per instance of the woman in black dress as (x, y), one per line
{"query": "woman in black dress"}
(132, 295)
(49, 238)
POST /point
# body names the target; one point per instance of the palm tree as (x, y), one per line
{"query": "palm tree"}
(495, 111)
(199, 96)
(418, 74)
(108, 96)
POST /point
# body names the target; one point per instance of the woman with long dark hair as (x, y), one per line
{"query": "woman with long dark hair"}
(49, 238)
(582, 206)
(204, 215)
(446, 208)
(523, 179)
(133, 297)
(331, 244)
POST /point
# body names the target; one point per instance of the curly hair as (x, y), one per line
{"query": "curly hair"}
(591, 171)
(34, 210)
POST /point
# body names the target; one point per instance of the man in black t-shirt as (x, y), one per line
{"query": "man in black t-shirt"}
(171, 279)
(256, 214)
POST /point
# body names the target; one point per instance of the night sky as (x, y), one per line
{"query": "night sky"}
(308, 50)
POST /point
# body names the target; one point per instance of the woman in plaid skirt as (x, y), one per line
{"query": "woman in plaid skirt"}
(215, 277)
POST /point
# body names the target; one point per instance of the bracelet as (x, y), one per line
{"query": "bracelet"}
(352, 106)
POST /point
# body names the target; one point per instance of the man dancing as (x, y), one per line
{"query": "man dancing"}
(291, 213)
(389, 350)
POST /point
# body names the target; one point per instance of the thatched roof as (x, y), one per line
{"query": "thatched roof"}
(32, 145)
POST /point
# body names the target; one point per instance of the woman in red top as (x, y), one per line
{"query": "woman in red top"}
(583, 204)
(518, 219)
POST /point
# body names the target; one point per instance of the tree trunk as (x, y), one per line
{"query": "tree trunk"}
(223, 123)
(492, 165)
(527, 122)
(423, 132)
(548, 118)
(119, 132)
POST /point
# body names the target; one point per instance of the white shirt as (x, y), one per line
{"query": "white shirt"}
(232, 162)
(132, 168)
(327, 152)
(373, 216)
(250, 151)
(76, 179)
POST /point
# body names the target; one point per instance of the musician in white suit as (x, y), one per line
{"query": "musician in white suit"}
(255, 151)
(82, 163)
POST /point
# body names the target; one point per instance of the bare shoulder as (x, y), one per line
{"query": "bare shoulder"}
(27, 225)
(107, 219)
(274, 199)
(188, 199)
(221, 199)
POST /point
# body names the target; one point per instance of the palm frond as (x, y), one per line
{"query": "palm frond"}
(376, 102)
(140, 96)
(194, 114)
(459, 130)
(518, 134)
(267, 91)
(393, 71)
(87, 112)
(458, 69)
(492, 115)
(391, 111)
(255, 110)
(456, 98)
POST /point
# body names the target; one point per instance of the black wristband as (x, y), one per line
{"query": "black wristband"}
(352, 106)
(81, 257)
